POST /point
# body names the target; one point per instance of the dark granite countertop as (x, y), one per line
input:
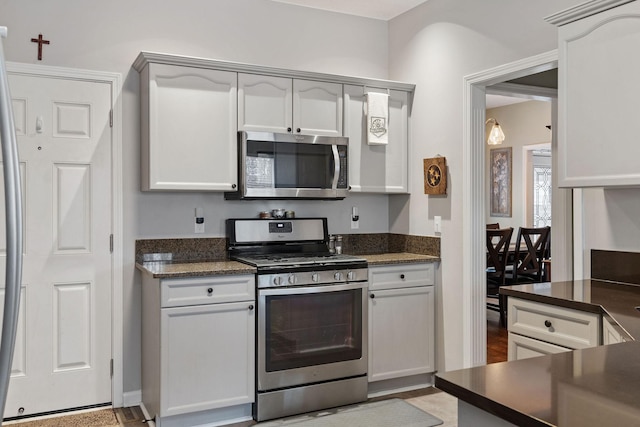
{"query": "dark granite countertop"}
(168, 269)
(594, 387)
(165, 269)
(591, 387)
(398, 258)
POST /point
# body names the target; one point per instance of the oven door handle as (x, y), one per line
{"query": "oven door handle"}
(301, 290)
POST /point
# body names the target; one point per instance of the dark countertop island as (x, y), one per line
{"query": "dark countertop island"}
(597, 386)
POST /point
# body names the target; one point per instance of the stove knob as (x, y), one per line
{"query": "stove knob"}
(277, 280)
(337, 276)
(351, 275)
(315, 277)
(292, 279)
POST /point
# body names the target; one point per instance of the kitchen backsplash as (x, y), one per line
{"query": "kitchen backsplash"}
(211, 249)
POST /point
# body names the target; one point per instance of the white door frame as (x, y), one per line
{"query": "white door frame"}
(473, 227)
(115, 82)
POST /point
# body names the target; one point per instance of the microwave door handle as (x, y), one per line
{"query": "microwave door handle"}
(336, 167)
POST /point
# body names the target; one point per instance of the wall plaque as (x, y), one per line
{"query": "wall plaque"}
(435, 175)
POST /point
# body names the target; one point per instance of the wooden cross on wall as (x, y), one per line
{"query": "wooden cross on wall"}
(40, 42)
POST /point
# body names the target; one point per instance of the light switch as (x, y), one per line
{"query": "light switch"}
(437, 224)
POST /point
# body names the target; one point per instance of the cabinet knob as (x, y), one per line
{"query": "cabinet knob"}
(402, 276)
(233, 186)
(288, 129)
(298, 130)
(372, 296)
(547, 323)
(251, 307)
(210, 291)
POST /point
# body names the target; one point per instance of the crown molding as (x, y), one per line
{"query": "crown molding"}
(145, 58)
(583, 10)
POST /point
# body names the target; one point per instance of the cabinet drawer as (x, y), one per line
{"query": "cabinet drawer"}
(401, 276)
(562, 326)
(207, 290)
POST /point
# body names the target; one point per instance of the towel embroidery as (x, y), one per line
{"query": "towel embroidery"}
(378, 126)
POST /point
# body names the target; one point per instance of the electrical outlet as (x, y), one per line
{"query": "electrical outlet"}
(199, 224)
(199, 228)
(355, 218)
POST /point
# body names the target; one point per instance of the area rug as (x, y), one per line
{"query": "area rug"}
(385, 413)
(100, 418)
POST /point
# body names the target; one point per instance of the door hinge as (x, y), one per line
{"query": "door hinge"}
(111, 368)
(111, 118)
(111, 243)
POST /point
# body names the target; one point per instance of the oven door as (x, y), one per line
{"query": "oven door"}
(311, 334)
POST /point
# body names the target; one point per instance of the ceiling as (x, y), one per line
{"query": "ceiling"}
(376, 9)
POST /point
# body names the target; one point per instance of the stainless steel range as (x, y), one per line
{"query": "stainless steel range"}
(312, 316)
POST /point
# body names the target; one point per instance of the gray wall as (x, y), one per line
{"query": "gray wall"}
(435, 46)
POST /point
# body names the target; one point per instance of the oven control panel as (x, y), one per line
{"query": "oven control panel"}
(310, 278)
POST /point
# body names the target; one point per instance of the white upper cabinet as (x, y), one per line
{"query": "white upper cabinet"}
(599, 94)
(284, 105)
(377, 168)
(192, 109)
(317, 108)
(189, 128)
(265, 103)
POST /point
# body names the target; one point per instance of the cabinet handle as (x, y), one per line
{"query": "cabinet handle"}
(298, 130)
(251, 307)
(372, 296)
(210, 291)
(288, 129)
(547, 323)
(402, 276)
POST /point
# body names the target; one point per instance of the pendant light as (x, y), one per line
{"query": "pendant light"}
(496, 136)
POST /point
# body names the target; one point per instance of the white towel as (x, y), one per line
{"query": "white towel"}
(377, 118)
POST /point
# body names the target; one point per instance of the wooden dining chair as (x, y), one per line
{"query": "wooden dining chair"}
(531, 248)
(493, 226)
(498, 241)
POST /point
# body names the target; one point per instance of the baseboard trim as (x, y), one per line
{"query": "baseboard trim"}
(131, 398)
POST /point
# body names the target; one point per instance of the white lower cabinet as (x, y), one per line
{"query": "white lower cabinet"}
(401, 321)
(537, 329)
(611, 333)
(198, 348)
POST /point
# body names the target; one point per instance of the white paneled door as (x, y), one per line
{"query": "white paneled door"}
(63, 346)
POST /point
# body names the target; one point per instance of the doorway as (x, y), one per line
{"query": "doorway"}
(526, 200)
(475, 89)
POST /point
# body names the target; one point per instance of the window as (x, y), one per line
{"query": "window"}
(541, 188)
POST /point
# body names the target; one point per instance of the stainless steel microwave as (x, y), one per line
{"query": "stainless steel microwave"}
(291, 166)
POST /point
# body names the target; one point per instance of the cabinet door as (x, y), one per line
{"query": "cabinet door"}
(599, 97)
(207, 357)
(401, 332)
(265, 103)
(189, 130)
(377, 168)
(317, 108)
(521, 347)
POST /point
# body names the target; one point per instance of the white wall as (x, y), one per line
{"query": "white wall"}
(523, 124)
(434, 46)
(611, 221)
(108, 35)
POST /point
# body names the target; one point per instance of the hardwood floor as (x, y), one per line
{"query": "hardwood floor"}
(496, 338)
